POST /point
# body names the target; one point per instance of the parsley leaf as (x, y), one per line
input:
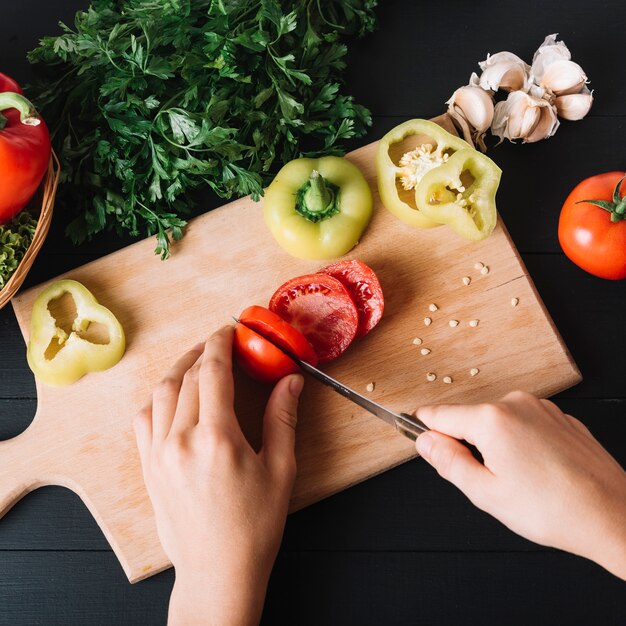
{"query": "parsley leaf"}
(154, 99)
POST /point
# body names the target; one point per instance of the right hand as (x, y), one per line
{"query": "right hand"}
(544, 475)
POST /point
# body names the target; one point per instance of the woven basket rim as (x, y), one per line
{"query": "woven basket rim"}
(49, 187)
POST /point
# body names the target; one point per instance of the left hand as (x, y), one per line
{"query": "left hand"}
(220, 507)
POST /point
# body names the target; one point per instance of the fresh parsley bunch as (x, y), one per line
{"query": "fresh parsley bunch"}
(149, 99)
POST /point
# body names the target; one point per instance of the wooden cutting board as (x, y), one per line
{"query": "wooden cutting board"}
(81, 436)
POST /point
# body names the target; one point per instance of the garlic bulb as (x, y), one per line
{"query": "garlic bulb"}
(472, 108)
(549, 51)
(563, 77)
(522, 116)
(504, 70)
(553, 86)
(574, 106)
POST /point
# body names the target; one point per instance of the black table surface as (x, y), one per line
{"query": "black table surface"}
(404, 547)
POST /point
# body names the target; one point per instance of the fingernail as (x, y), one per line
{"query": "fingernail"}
(295, 385)
(199, 347)
(423, 444)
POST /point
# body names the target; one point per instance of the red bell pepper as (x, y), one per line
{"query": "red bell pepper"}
(24, 149)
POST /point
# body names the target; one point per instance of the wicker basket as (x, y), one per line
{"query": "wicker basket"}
(44, 198)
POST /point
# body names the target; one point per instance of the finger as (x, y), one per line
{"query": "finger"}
(461, 421)
(279, 425)
(188, 406)
(578, 425)
(454, 462)
(550, 406)
(142, 425)
(165, 396)
(217, 387)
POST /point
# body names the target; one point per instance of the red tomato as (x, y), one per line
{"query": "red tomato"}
(321, 308)
(8, 84)
(362, 284)
(261, 359)
(588, 235)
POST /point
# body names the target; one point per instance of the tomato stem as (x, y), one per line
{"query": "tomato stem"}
(317, 198)
(617, 208)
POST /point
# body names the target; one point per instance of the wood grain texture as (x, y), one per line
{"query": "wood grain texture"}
(587, 328)
(81, 437)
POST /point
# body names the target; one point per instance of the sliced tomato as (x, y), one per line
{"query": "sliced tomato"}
(363, 285)
(273, 327)
(260, 358)
(321, 308)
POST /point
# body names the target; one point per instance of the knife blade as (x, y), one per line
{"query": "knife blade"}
(405, 424)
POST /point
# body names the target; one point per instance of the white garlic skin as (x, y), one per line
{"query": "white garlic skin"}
(504, 70)
(549, 51)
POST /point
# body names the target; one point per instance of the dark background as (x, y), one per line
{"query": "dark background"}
(405, 547)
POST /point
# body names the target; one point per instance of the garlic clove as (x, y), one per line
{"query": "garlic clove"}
(475, 104)
(504, 70)
(522, 116)
(502, 57)
(472, 108)
(574, 106)
(549, 51)
(563, 77)
(547, 123)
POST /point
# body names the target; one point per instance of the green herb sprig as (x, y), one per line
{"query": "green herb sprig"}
(150, 99)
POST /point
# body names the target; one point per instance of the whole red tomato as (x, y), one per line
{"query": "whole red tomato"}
(592, 229)
(261, 359)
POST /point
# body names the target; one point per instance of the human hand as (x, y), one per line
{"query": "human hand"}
(220, 507)
(544, 475)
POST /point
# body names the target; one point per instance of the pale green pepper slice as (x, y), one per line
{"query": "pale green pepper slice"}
(405, 154)
(461, 193)
(61, 353)
(318, 208)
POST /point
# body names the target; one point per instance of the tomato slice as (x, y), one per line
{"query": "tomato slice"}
(321, 308)
(260, 358)
(279, 332)
(362, 284)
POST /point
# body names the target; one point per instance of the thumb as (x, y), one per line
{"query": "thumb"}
(453, 461)
(279, 425)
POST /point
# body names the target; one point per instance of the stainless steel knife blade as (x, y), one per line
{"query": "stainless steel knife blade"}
(406, 424)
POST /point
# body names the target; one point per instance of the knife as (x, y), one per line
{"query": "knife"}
(405, 424)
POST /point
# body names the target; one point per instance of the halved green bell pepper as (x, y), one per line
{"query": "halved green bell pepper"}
(462, 194)
(431, 147)
(318, 208)
(61, 356)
